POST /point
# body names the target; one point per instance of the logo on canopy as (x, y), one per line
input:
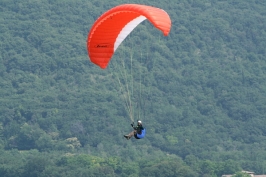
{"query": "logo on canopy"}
(103, 45)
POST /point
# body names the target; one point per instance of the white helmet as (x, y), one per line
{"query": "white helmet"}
(139, 121)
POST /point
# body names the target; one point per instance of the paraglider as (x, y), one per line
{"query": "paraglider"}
(109, 31)
(139, 131)
(112, 27)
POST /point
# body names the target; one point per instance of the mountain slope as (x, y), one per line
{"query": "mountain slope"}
(202, 87)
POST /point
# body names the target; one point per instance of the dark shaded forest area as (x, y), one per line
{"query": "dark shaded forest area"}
(200, 92)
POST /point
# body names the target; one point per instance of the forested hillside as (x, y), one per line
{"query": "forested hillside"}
(200, 92)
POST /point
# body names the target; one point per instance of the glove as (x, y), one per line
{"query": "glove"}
(132, 124)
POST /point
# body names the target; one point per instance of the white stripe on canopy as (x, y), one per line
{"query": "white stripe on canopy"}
(127, 29)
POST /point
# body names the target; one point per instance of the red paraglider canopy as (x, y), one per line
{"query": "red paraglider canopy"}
(112, 27)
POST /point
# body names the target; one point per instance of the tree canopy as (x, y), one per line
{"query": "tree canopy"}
(200, 92)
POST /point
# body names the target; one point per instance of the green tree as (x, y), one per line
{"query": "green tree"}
(241, 174)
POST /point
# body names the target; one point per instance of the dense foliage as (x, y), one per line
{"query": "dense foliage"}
(201, 91)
